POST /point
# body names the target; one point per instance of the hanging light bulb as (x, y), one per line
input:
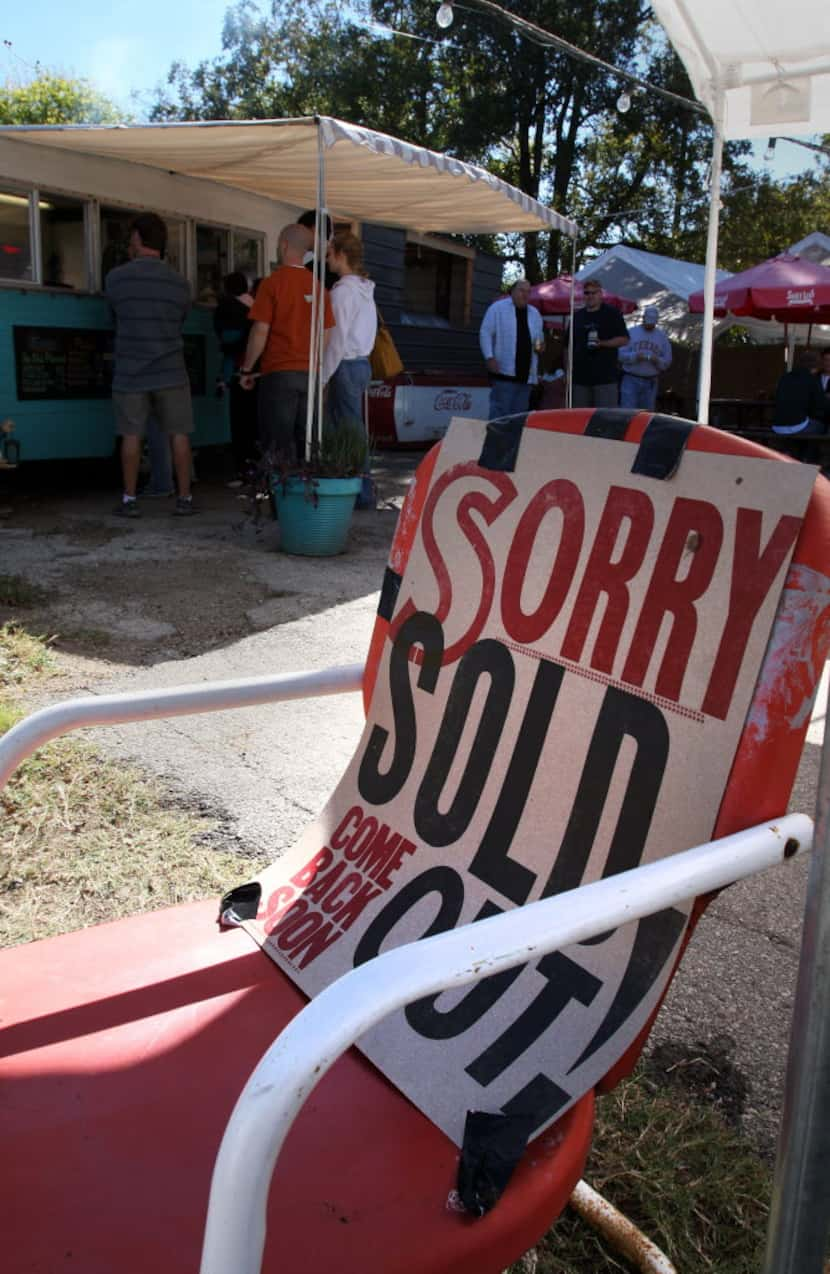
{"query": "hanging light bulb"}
(623, 102)
(444, 16)
(769, 153)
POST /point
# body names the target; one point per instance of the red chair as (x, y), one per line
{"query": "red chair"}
(126, 1046)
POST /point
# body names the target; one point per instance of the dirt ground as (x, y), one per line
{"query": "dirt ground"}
(134, 593)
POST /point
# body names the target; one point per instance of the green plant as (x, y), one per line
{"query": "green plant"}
(341, 453)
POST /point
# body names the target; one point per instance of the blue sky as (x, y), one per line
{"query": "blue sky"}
(120, 47)
(126, 49)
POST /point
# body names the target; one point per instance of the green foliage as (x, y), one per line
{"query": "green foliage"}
(54, 99)
(536, 117)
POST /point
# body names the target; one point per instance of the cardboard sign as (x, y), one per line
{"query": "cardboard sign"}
(570, 663)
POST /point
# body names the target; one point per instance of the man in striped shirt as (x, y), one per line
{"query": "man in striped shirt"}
(150, 302)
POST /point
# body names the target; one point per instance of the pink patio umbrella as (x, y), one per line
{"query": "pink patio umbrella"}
(787, 288)
(554, 297)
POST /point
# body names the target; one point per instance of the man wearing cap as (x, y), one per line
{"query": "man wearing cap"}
(643, 359)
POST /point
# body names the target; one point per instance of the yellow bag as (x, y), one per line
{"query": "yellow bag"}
(384, 359)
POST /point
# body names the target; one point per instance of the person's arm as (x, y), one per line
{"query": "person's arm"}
(617, 341)
(664, 357)
(257, 340)
(486, 340)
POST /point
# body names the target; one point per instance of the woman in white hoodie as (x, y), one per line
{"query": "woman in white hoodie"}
(346, 367)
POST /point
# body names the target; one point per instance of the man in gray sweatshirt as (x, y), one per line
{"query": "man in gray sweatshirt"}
(647, 354)
(150, 302)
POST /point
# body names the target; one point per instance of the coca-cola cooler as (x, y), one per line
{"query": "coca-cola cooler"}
(415, 408)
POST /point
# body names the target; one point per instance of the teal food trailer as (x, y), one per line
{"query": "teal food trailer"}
(64, 223)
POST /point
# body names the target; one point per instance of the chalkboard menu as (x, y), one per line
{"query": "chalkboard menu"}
(72, 362)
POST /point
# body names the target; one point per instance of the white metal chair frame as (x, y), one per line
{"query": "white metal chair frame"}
(331, 1023)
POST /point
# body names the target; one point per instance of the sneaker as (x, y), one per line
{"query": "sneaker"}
(184, 508)
(127, 509)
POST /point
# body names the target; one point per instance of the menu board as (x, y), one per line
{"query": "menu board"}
(73, 362)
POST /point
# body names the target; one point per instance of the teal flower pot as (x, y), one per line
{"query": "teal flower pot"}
(314, 528)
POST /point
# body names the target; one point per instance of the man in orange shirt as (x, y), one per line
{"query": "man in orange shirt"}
(281, 334)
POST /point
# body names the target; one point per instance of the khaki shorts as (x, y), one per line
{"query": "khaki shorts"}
(171, 408)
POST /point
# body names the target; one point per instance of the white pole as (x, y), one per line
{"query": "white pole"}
(569, 399)
(704, 383)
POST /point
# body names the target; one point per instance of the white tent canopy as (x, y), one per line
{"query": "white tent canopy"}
(770, 60)
(814, 247)
(368, 176)
(651, 279)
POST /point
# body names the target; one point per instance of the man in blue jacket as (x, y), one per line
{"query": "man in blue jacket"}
(511, 336)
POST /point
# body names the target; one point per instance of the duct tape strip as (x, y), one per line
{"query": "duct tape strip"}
(661, 448)
(501, 443)
(389, 593)
(609, 422)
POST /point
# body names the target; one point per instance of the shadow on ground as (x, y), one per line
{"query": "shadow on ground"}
(162, 587)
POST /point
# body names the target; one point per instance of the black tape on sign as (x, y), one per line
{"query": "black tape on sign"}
(241, 903)
(662, 445)
(609, 422)
(389, 593)
(501, 443)
(492, 1147)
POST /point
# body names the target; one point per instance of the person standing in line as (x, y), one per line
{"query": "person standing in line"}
(150, 301)
(281, 334)
(647, 354)
(231, 325)
(346, 368)
(799, 401)
(511, 337)
(598, 332)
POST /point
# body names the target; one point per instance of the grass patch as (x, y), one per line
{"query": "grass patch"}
(17, 591)
(673, 1167)
(87, 840)
(22, 656)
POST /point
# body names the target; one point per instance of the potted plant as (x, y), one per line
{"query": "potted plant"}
(314, 499)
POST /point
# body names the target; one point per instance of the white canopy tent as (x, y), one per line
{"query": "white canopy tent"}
(758, 66)
(652, 279)
(368, 176)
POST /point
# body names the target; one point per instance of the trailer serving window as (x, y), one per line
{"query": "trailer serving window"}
(62, 224)
(115, 238)
(15, 237)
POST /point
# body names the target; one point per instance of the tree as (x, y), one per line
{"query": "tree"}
(537, 117)
(54, 99)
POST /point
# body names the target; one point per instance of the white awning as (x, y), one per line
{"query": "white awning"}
(771, 59)
(368, 176)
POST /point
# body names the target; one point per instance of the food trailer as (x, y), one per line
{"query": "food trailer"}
(69, 193)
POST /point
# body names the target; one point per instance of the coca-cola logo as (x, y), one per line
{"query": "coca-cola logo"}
(452, 400)
(381, 390)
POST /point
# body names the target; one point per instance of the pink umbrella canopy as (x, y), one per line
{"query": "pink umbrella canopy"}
(554, 297)
(787, 288)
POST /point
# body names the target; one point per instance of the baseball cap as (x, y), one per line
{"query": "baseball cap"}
(651, 314)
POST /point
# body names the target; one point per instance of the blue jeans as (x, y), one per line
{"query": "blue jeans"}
(346, 389)
(508, 398)
(638, 392)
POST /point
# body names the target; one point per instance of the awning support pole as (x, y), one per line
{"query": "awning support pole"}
(704, 384)
(800, 1214)
(570, 367)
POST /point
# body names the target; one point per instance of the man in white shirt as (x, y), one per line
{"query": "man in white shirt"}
(511, 336)
(647, 354)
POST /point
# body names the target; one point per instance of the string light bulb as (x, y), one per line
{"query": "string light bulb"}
(444, 16)
(770, 150)
(623, 102)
